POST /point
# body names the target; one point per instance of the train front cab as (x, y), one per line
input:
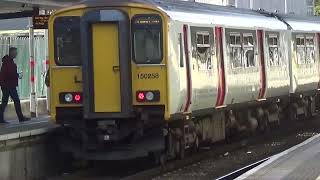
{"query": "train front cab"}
(108, 79)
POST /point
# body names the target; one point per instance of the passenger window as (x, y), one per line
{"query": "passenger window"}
(248, 47)
(147, 39)
(204, 51)
(235, 39)
(235, 50)
(274, 59)
(180, 49)
(310, 58)
(305, 49)
(242, 47)
(203, 42)
(301, 53)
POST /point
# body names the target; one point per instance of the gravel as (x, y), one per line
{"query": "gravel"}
(269, 144)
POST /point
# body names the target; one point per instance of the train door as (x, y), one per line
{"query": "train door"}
(106, 72)
(106, 64)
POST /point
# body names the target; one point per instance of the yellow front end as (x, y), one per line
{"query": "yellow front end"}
(68, 77)
(108, 74)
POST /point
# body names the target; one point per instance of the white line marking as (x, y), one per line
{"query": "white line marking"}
(318, 178)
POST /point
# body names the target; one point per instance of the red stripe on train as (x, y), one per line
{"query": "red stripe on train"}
(262, 91)
(222, 79)
(189, 81)
(318, 36)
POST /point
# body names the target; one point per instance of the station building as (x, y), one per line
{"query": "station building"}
(298, 7)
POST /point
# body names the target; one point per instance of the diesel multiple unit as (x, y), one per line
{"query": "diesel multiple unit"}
(130, 78)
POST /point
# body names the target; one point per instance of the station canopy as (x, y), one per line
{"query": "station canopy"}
(11, 6)
(14, 13)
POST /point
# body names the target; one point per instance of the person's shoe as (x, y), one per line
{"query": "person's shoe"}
(3, 122)
(24, 119)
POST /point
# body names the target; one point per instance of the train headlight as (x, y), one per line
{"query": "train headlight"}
(149, 96)
(68, 97)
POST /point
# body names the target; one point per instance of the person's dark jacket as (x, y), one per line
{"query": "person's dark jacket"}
(8, 74)
(47, 78)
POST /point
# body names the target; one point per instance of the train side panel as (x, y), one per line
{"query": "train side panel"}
(305, 62)
(305, 54)
(242, 66)
(277, 63)
(177, 76)
(204, 72)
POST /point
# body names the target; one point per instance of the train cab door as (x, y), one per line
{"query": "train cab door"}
(106, 65)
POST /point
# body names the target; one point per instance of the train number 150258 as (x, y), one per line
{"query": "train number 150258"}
(148, 76)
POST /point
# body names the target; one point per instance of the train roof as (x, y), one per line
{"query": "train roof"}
(199, 13)
(303, 23)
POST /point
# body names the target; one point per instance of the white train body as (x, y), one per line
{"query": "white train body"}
(242, 71)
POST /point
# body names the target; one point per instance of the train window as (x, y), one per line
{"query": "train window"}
(147, 39)
(274, 59)
(202, 39)
(67, 41)
(235, 39)
(300, 40)
(310, 58)
(305, 49)
(203, 42)
(235, 50)
(301, 53)
(309, 41)
(242, 49)
(180, 49)
(248, 48)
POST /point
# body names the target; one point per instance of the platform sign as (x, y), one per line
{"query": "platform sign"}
(40, 21)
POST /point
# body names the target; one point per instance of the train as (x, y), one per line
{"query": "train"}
(135, 78)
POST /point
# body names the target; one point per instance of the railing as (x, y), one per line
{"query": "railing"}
(23, 63)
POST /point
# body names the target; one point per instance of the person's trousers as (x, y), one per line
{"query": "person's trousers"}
(12, 92)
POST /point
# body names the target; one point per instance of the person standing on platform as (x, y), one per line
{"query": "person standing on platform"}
(9, 82)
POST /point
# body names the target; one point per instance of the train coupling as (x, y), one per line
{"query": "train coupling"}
(109, 131)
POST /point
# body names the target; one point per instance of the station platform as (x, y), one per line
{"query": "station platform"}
(299, 162)
(15, 130)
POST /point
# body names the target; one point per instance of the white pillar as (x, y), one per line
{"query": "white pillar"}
(33, 97)
(47, 67)
(285, 7)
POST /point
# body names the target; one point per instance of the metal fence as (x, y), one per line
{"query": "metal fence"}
(23, 62)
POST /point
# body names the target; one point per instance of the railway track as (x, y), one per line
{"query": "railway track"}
(175, 164)
(145, 170)
(231, 148)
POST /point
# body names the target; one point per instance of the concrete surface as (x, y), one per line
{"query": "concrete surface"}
(10, 112)
(28, 150)
(299, 162)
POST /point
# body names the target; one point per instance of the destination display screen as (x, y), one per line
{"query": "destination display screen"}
(147, 20)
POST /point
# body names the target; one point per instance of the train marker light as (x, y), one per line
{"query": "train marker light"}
(149, 96)
(141, 96)
(68, 97)
(77, 97)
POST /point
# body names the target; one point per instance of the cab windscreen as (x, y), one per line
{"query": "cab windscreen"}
(147, 39)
